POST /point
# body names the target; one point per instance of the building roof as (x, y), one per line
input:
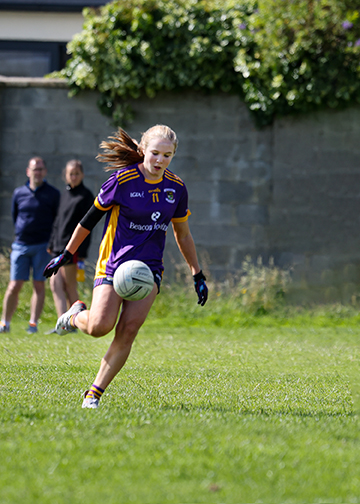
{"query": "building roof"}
(49, 5)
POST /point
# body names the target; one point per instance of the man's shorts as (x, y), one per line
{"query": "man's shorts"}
(24, 258)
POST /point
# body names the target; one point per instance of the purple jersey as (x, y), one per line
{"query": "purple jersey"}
(138, 214)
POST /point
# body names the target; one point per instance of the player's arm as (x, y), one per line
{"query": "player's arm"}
(186, 245)
(78, 236)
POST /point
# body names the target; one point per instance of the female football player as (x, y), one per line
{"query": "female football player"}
(140, 199)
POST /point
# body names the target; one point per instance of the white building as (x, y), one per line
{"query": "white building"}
(34, 34)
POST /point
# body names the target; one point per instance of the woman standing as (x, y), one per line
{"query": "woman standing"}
(75, 201)
(140, 199)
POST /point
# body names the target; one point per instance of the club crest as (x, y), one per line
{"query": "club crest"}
(170, 195)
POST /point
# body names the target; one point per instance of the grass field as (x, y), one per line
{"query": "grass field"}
(215, 405)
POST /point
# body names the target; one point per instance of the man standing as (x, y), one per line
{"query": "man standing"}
(34, 208)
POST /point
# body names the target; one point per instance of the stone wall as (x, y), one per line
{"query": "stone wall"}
(291, 190)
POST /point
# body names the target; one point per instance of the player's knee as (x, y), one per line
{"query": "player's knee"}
(98, 328)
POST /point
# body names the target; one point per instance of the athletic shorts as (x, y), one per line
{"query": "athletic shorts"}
(110, 280)
(26, 258)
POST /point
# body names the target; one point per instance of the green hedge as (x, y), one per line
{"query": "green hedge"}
(278, 56)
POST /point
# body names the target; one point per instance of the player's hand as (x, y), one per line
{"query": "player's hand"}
(201, 288)
(54, 265)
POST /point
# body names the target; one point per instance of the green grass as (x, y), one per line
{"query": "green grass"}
(215, 405)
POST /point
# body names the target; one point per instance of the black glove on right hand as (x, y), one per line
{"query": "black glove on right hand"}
(201, 287)
(52, 268)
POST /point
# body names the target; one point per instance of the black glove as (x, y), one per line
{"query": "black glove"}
(200, 287)
(52, 268)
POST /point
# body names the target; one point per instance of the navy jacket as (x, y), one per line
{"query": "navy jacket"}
(34, 212)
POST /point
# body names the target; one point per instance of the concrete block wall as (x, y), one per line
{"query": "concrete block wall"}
(226, 165)
(315, 211)
(290, 190)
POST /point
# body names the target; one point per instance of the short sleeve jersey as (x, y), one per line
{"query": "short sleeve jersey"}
(139, 212)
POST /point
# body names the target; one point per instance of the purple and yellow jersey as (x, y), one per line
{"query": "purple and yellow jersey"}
(139, 212)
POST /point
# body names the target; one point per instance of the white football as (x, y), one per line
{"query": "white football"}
(133, 280)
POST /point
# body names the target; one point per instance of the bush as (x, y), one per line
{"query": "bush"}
(278, 56)
(307, 57)
(145, 46)
(257, 288)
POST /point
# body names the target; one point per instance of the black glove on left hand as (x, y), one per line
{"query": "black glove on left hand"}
(52, 268)
(200, 287)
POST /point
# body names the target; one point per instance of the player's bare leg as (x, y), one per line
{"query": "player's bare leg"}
(132, 317)
(103, 313)
(99, 320)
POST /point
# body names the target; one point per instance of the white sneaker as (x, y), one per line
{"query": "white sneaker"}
(90, 402)
(63, 325)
